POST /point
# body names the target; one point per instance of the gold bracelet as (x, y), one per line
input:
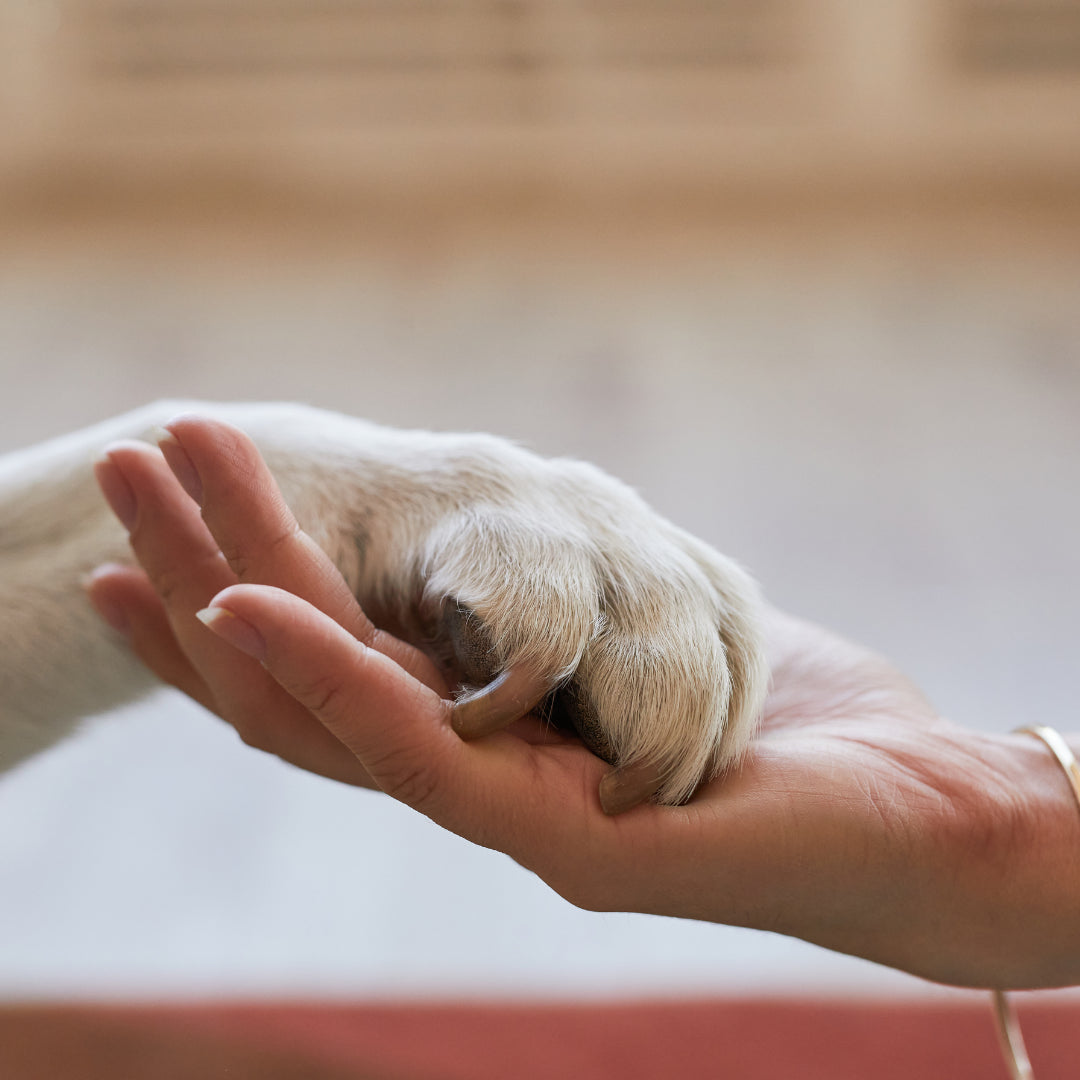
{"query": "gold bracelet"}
(1060, 749)
(1008, 1024)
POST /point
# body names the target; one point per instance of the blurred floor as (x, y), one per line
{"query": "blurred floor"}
(874, 406)
(754, 1040)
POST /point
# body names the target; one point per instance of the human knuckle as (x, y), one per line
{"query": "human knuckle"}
(283, 539)
(237, 558)
(168, 582)
(238, 554)
(176, 579)
(323, 694)
(246, 555)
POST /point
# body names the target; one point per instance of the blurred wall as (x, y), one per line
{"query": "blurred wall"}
(438, 95)
(858, 372)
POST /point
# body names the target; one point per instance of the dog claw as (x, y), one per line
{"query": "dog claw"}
(508, 697)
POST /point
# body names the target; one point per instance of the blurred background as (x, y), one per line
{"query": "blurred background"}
(804, 272)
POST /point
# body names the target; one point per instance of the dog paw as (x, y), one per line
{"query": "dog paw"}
(543, 584)
(559, 589)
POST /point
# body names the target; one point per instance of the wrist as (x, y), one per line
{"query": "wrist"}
(1038, 892)
(993, 901)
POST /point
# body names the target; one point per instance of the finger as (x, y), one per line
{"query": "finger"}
(180, 559)
(494, 791)
(166, 533)
(259, 535)
(124, 597)
(396, 726)
(185, 567)
(245, 513)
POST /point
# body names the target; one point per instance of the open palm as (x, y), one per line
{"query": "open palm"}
(860, 819)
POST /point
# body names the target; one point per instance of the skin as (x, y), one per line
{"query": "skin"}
(861, 820)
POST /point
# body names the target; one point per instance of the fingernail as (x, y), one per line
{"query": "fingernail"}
(177, 458)
(236, 631)
(118, 493)
(626, 787)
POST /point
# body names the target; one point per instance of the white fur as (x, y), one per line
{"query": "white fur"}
(569, 570)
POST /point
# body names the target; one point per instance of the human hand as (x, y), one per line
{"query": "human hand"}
(248, 535)
(860, 821)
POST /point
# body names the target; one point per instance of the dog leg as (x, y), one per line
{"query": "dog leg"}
(549, 573)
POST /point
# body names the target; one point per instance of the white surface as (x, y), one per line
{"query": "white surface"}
(886, 435)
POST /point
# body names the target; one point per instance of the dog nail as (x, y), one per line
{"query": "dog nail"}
(507, 698)
(624, 788)
(236, 631)
(118, 493)
(177, 458)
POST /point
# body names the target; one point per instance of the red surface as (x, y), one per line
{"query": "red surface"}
(748, 1040)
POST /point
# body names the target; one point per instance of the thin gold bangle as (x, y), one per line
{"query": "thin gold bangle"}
(1011, 1038)
(1060, 749)
(1008, 1024)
